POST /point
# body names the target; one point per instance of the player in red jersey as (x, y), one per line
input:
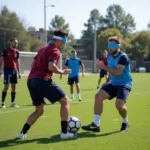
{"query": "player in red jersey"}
(103, 73)
(10, 58)
(41, 86)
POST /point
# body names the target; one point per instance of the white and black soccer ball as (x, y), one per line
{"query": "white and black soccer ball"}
(74, 124)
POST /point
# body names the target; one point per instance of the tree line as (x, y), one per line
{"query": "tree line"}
(115, 22)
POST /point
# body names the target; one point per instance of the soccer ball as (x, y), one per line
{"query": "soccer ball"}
(74, 124)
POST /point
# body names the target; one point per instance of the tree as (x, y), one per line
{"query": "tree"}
(116, 17)
(31, 28)
(140, 46)
(103, 38)
(95, 22)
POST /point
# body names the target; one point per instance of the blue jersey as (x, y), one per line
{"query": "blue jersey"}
(74, 65)
(124, 78)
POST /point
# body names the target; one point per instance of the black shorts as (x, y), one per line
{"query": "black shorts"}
(73, 80)
(103, 73)
(10, 76)
(40, 89)
(121, 92)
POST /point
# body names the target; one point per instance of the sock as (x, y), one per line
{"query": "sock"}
(25, 128)
(3, 97)
(79, 95)
(72, 95)
(13, 95)
(64, 125)
(125, 120)
(97, 120)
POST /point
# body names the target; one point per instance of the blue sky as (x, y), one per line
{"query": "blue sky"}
(76, 12)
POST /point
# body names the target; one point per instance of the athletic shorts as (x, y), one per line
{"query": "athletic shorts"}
(40, 89)
(120, 92)
(73, 80)
(10, 76)
(103, 73)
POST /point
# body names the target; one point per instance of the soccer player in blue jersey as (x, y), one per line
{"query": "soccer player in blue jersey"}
(74, 64)
(118, 86)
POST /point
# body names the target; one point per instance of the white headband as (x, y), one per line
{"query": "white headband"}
(57, 37)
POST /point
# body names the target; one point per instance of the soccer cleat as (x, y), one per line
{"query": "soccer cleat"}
(21, 135)
(68, 135)
(72, 99)
(91, 127)
(124, 127)
(3, 106)
(80, 99)
(14, 105)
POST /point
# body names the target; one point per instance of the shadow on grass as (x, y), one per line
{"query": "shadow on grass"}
(52, 139)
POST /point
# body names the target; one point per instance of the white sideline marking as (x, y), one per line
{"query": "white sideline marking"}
(56, 105)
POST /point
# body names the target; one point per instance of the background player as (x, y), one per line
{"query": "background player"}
(119, 86)
(41, 86)
(103, 73)
(74, 64)
(10, 58)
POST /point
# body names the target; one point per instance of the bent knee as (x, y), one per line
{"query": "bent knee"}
(64, 101)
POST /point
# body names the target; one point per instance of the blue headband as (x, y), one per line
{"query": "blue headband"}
(63, 39)
(113, 45)
(74, 53)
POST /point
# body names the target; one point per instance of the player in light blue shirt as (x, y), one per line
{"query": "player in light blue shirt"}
(74, 63)
(118, 85)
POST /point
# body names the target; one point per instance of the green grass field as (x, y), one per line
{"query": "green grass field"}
(45, 134)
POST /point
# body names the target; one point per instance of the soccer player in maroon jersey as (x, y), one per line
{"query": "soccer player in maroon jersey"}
(103, 73)
(10, 58)
(41, 86)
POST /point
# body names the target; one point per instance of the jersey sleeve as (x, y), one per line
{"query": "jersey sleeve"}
(3, 53)
(123, 60)
(66, 63)
(54, 57)
(80, 62)
(18, 55)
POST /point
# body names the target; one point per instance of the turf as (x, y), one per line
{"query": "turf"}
(45, 134)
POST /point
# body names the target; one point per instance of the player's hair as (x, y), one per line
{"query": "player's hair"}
(116, 39)
(105, 51)
(73, 51)
(60, 33)
(12, 39)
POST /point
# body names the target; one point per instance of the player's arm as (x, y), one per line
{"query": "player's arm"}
(121, 65)
(18, 66)
(65, 67)
(52, 64)
(2, 60)
(82, 67)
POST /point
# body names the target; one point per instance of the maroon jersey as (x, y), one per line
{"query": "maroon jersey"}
(104, 60)
(41, 60)
(10, 58)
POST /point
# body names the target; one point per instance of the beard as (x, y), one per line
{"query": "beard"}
(114, 52)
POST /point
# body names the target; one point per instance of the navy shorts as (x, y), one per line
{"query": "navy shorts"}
(103, 73)
(121, 92)
(10, 76)
(40, 89)
(73, 80)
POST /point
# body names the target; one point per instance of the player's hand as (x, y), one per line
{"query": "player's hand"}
(66, 71)
(100, 64)
(19, 75)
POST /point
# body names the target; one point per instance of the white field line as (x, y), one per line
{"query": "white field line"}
(56, 105)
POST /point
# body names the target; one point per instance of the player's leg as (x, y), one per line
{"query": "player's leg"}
(107, 92)
(100, 78)
(13, 81)
(71, 84)
(38, 101)
(78, 87)
(122, 95)
(6, 87)
(55, 94)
